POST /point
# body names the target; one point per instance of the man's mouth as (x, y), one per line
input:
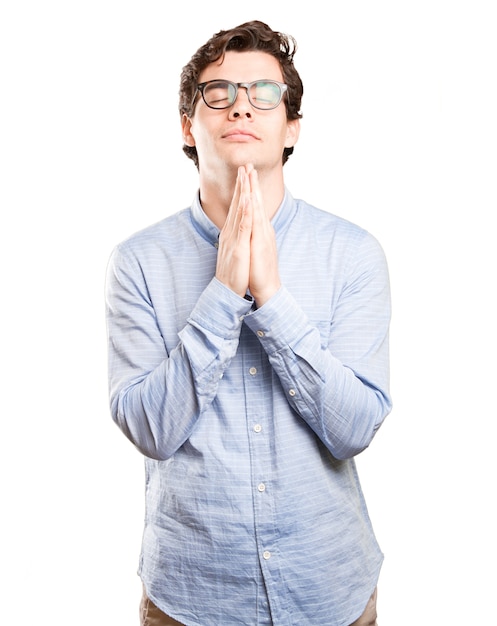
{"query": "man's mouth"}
(239, 134)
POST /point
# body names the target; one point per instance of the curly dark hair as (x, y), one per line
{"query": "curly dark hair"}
(250, 36)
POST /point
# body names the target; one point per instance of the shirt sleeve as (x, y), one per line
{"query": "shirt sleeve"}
(340, 387)
(156, 397)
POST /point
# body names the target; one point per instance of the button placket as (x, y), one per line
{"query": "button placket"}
(257, 381)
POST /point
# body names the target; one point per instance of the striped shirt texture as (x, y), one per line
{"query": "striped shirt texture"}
(249, 419)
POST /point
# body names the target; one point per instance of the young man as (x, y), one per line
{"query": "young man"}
(248, 345)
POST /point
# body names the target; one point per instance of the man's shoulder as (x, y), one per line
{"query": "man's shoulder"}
(323, 219)
(162, 232)
(325, 227)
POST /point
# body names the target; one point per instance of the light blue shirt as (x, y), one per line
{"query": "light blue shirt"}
(249, 419)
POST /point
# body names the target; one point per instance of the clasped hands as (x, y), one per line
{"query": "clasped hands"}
(247, 257)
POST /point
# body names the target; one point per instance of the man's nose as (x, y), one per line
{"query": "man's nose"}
(241, 106)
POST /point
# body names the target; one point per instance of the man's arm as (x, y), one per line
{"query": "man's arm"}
(156, 398)
(340, 389)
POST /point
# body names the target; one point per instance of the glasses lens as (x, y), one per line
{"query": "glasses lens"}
(219, 94)
(265, 94)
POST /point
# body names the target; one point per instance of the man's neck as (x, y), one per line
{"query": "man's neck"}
(216, 193)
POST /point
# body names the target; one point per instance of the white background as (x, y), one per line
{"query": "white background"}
(399, 135)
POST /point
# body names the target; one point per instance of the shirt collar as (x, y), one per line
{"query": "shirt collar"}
(209, 231)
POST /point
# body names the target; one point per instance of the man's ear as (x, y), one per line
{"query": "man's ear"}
(292, 133)
(186, 127)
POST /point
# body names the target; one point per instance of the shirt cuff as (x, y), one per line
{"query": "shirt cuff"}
(220, 310)
(279, 323)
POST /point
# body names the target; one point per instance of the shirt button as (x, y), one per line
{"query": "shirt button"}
(266, 555)
(260, 333)
(261, 487)
(257, 428)
(292, 392)
(253, 371)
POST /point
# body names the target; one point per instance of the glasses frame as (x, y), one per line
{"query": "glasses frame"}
(283, 89)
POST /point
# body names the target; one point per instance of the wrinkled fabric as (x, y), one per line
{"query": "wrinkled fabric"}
(249, 419)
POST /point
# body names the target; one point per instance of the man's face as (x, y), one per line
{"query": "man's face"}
(240, 134)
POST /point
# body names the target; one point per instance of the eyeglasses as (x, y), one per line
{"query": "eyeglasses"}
(262, 94)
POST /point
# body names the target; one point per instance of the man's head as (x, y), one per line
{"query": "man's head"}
(249, 37)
